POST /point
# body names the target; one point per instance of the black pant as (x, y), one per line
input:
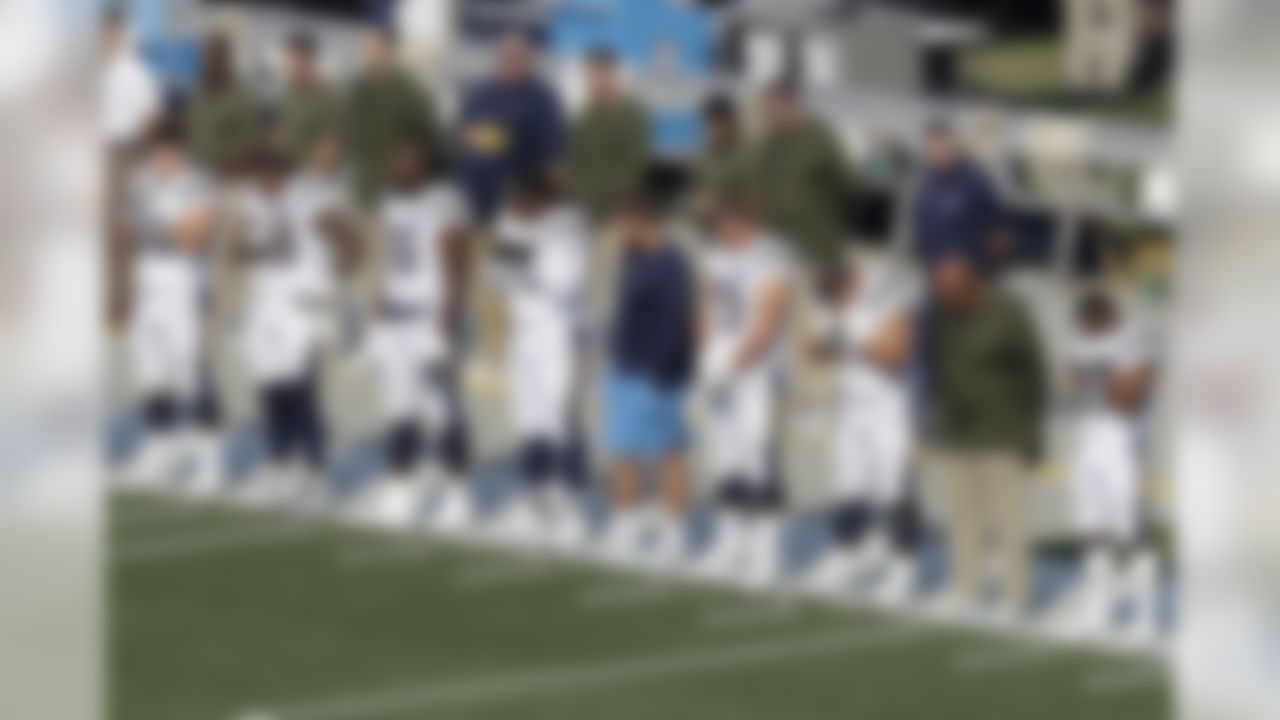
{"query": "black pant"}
(295, 425)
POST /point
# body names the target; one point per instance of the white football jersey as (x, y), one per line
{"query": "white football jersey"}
(880, 299)
(416, 225)
(735, 281)
(270, 238)
(541, 264)
(1096, 359)
(157, 204)
(310, 198)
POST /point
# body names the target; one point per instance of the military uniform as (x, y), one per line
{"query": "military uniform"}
(802, 184)
(607, 155)
(307, 114)
(381, 113)
(223, 125)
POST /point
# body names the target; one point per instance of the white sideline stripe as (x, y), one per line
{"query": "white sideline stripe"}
(1020, 654)
(1114, 683)
(358, 558)
(486, 577)
(625, 595)
(189, 544)
(765, 613)
(582, 677)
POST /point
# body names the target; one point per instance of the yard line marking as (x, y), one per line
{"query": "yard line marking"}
(1016, 654)
(1114, 683)
(766, 613)
(190, 544)
(357, 558)
(584, 677)
(624, 595)
(505, 573)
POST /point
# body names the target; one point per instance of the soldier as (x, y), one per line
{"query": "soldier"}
(800, 178)
(721, 169)
(385, 110)
(609, 145)
(222, 115)
(310, 110)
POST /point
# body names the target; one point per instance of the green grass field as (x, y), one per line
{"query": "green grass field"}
(218, 614)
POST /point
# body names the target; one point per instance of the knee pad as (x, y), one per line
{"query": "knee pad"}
(735, 493)
(455, 448)
(160, 413)
(537, 461)
(404, 446)
(850, 521)
(905, 526)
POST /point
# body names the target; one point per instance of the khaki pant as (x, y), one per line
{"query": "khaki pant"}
(987, 501)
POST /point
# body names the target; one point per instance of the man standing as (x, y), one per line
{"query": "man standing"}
(651, 365)
(510, 126)
(609, 148)
(802, 182)
(747, 291)
(223, 119)
(957, 209)
(310, 110)
(990, 398)
(385, 110)
(722, 168)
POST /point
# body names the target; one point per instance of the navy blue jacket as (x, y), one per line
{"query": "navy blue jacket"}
(956, 213)
(506, 129)
(653, 334)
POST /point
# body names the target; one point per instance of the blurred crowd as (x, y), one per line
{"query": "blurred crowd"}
(358, 221)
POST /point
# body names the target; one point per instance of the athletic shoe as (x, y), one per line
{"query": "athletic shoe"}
(454, 513)
(205, 450)
(897, 583)
(670, 550)
(152, 466)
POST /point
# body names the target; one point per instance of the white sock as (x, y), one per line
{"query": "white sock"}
(1099, 584)
(1143, 578)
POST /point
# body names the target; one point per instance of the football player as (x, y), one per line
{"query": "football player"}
(415, 343)
(747, 288)
(867, 334)
(540, 265)
(1112, 373)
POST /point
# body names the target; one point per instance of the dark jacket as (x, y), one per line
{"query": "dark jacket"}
(956, 213)
(506, 129)
(652, 334)
(991, 379)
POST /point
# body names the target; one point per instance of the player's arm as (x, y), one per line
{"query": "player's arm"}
(345, 240)
(767, 325)
(1130, 388)
(891, 349)
(193, 231)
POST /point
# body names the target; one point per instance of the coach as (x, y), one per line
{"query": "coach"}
(509, 125)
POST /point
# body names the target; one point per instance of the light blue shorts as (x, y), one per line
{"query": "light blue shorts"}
(643, 420)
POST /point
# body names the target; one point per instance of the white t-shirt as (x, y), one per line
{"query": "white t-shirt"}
(735, 282)
(416, 225)
(540, 265)
(131, 97)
